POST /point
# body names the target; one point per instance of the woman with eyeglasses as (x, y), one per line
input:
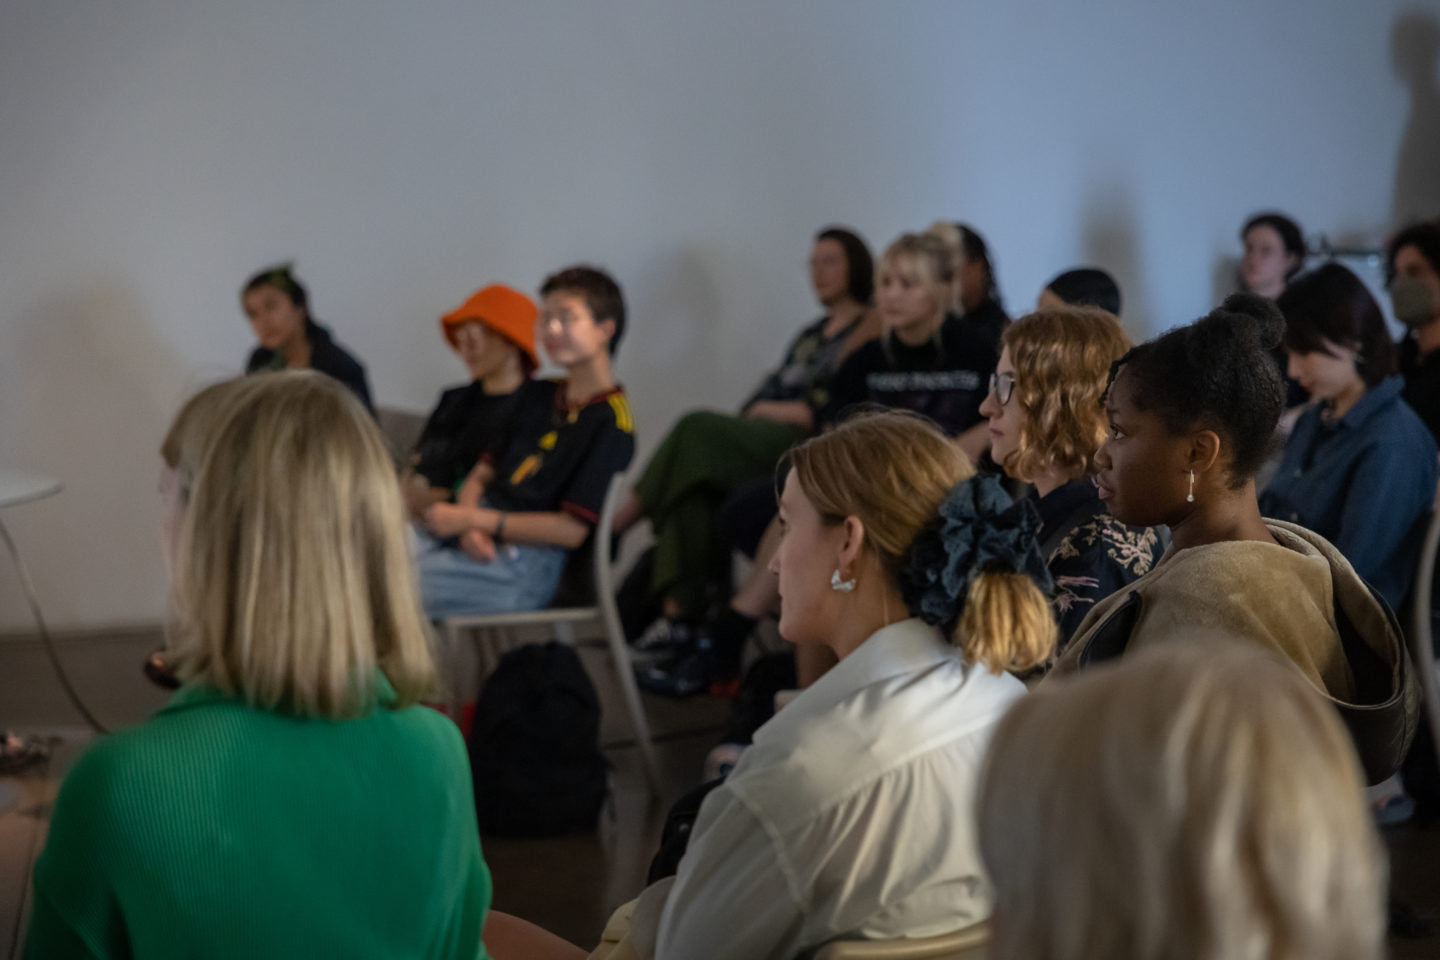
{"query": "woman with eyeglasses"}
(1046, 424)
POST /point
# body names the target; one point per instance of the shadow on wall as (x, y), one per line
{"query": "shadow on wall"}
(1109, 243)
(1415, 54)
(670, 357)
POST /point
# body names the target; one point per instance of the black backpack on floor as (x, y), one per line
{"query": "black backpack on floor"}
(535, 745)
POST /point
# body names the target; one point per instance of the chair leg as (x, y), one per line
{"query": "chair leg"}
(454, 636)
(625, 673)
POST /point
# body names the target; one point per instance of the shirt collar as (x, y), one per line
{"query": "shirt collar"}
(1381, 395)
(563, 406)
(1063, 501)
(201, 694)
(904, 647)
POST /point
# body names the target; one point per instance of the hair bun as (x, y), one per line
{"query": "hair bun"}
(1254, 316)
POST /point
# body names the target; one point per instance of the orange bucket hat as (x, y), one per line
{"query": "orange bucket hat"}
(503, 309)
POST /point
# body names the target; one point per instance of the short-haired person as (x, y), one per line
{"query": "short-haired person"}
(502, 548)
(1190, 803)
(1360, 467)
(1191, 415)
(708, 455)
(1274, 256)
(1046, 423)
(1412, 271)
(975, 292)
(293, 799)
(493, 332)
(851, 817)
(278, 307)
(1081, 287)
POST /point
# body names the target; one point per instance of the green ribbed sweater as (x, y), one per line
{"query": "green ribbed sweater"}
(220, 831)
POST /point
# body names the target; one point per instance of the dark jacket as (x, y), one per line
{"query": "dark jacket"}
(326, 356)
(1365, 483)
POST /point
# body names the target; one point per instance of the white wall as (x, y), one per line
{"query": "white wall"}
(153, 154)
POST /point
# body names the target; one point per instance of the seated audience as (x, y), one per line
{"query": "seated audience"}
(1046, 422)
(708, 455)
(1191, 416)
(975, 294)
(1082, 287)
(494, 334)
(1413, 275)
(1360, 467)
(928, 361)
(1274, 256)
(278, 307)
(502, 546)
(1198, 802)
(861, 789)
(251, 816)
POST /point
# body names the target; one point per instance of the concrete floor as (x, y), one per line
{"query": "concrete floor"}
(568, 885)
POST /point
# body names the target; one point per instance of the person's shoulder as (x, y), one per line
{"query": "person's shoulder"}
(431, 731)
(611, 411)
(963, 338)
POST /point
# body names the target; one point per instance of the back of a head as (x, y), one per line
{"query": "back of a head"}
(1196, 801)
(293, 581)
(1087, 287)
(895, 472)
(1331, 303)
(1062, 361)
(1217, 373)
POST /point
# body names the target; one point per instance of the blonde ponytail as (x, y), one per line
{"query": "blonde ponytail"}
(1006, 623)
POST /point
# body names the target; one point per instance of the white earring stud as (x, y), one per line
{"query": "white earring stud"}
(841, 586)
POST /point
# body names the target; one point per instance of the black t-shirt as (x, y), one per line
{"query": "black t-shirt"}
(1422, 383)
(562, 458)
(989, 320)
(945, 378)
(326, 356)
(467, 424)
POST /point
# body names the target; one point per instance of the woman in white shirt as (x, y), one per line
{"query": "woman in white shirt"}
(851, 815)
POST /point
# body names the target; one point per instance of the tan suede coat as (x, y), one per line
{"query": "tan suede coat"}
(1286, 596)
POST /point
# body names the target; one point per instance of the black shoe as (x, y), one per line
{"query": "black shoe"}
(159, 671)
(684, 675)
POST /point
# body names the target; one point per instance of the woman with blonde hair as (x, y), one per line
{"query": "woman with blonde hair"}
(1202, 803)
(850, 816)
(292, 799)
(1046, 424)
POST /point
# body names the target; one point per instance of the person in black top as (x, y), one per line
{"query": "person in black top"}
(278, 307)
(542, 496)
(494, 334)
(1413, 277)
(976, 294)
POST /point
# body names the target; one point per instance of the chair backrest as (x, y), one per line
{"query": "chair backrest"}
(1420, 630)
(401, 429)
(967, 943)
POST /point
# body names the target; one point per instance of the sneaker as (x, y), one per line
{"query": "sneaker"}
(664, 639)
(684, 675)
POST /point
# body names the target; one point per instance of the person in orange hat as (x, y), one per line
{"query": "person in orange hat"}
(494, 334)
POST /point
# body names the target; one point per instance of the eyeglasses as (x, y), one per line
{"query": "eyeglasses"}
(1003, 386)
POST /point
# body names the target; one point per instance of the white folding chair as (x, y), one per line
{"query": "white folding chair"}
(1421, 640)
(600, 609)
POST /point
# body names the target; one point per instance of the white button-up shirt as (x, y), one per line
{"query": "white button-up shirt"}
(851, 816)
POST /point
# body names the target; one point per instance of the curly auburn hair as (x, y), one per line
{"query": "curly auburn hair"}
(1062, 361)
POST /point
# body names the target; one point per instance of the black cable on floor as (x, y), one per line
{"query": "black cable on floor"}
(45, 637)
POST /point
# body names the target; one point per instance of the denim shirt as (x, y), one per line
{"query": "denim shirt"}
(1364, 482)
